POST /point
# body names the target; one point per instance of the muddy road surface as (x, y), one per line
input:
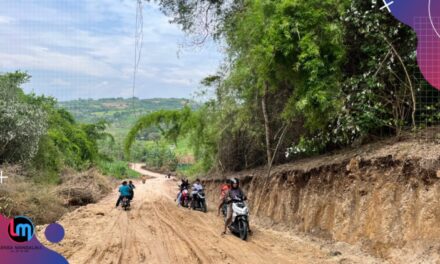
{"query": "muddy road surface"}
(155, 230)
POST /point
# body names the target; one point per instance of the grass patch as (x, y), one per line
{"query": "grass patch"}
(191, 171)
(117, 169)
(184, 147)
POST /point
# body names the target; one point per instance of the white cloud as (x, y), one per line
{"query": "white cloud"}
(89, 45)
(44, 59)
(5, 20)
(60, 82)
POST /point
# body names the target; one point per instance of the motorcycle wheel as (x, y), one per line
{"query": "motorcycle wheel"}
(243, 229)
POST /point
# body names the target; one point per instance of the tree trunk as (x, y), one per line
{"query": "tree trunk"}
(410, 84)
(266, 122)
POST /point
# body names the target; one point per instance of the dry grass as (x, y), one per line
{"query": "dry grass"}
(83, 188)
(46, 203)
(20, 196)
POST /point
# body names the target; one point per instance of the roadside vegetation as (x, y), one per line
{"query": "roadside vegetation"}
(48, 156)
(117, 169)
(300, 78)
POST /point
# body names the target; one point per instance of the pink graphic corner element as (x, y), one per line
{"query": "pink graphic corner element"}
(31, 252)
(424, 17)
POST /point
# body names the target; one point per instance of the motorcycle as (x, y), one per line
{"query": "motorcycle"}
(125, 203)
(184, 198)
(198, 201)
(240, 219)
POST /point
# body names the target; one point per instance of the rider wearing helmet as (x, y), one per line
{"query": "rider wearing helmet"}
(223, 191)
(183, 186)
(235, 193)
(197, 187)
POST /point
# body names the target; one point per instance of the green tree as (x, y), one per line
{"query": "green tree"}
(22, 124)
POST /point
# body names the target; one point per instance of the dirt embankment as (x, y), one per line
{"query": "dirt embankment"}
(384, 197)
(46, 203)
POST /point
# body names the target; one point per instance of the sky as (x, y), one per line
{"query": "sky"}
(85, 48)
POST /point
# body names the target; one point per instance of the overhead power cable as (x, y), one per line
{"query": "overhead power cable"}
(138, 44)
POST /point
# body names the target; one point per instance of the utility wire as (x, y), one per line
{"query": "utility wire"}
(139, 38)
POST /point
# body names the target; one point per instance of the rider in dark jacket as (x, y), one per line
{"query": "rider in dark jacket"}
(132, 187)
(235, 193)
(183, 186)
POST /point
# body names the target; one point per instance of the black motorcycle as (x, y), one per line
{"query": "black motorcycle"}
(198, 201)
(125, 203)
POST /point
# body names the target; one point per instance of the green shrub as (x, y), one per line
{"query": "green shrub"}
(22, 124)
(117, 169)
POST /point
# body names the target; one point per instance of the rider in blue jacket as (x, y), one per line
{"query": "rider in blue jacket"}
(124, 191)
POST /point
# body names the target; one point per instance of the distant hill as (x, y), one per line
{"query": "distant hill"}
(117, 109)
(119, 112)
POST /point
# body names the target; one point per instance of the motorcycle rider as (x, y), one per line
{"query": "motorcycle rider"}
(197, 187)
(132, 187)
(184, 185)
(124, 191)
(235, 193)
(224, 188)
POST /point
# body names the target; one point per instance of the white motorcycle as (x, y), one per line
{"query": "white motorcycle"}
(240, 219)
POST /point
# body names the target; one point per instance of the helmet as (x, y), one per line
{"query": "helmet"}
(235, 180)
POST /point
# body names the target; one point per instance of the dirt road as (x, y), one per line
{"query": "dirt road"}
(155, 230)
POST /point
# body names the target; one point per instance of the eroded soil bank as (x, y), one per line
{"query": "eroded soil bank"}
(384, 197)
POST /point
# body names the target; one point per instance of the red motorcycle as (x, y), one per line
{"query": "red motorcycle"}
(184, 198)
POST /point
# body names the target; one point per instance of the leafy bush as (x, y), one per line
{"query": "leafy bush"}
(34, 131)
(160, 155)
(22, 124)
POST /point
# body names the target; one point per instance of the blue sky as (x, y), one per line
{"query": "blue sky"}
(84, 49)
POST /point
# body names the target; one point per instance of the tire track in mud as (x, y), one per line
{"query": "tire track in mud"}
(155, 230)
(199, 258)
(223, 246)
(194, 228)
